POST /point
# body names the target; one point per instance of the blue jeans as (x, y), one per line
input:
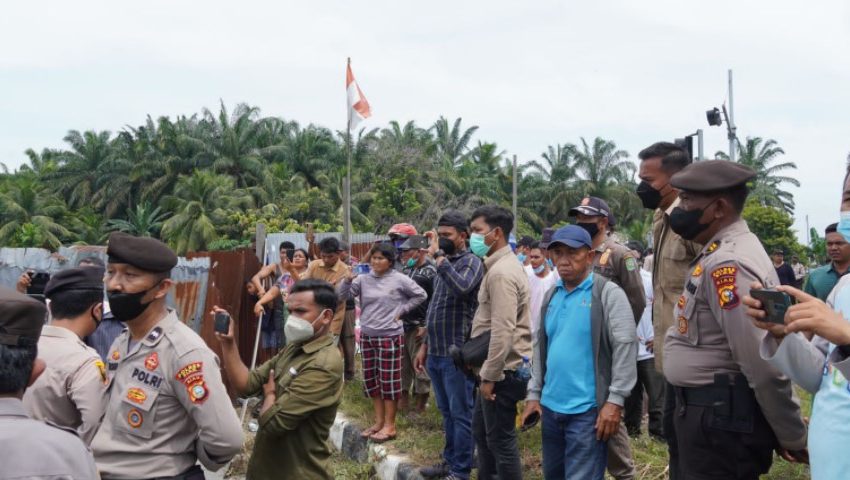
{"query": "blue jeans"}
(453, 392)
(570, 448)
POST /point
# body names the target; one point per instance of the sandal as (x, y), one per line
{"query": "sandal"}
(370, 431)
(379, 437)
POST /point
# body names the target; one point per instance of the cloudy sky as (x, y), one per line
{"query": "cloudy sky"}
(530, 74)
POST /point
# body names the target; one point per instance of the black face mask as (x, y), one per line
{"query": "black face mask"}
(592, 228)
(127, 306)
(686, 222)
(649, 196)
(447, 246)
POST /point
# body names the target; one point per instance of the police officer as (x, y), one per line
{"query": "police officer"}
(614, 260)
(30, 448)
(732, 408)
(167, 406)
(70, 393)
(618, 263)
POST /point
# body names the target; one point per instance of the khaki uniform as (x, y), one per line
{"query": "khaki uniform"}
(35, 449)
(712, 333)
(617, 263)
(168, 407)
(71, 391)
(292, 441)
(332, 275)
(673, 256)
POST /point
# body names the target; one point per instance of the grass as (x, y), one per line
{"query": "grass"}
(421, 439)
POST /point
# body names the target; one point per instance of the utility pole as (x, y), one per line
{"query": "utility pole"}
(731, 121)
(516, 219)
(699, 145)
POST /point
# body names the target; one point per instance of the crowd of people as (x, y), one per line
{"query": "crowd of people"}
(582, 333)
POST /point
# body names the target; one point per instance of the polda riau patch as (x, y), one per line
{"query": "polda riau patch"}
(724, 279)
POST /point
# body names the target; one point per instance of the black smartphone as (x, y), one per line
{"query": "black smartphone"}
(773, 302)
(290, 254)
(222, 322)
(530, 421)
(38, 280)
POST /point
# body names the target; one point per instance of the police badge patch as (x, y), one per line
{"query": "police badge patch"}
(727, 289)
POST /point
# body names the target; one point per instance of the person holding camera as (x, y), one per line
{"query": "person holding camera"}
(584, 363)
(822, 365)
(301, 386)
(733, 408)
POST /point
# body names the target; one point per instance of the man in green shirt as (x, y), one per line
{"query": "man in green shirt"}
(301, 385)
(822, 279)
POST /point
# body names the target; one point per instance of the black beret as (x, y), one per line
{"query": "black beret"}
(80, 278)
(21, 318)
(148, 254)
(711, 176)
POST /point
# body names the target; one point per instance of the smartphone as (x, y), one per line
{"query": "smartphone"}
(773, 302)
(290, 254)
(530, 421)
(362, 268)
(222, 322)
(38, 280)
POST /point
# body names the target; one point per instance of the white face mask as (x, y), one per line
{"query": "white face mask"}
(298, 330)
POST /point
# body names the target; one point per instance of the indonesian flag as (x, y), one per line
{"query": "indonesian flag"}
(358, 106)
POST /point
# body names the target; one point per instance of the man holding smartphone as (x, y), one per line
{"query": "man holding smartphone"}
(733, 408)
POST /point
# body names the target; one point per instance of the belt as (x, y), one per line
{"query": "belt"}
(707, 396)
(193, 473)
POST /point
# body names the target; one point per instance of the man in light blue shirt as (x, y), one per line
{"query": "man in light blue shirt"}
(585, 354)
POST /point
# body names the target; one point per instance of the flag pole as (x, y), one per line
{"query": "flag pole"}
(346, 214)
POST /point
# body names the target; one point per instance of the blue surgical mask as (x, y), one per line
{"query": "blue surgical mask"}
(521, 257)
(540, 269)
(551, 264)
(844, 225)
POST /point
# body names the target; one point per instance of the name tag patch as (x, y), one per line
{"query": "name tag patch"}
(136, 395)
(147, 378)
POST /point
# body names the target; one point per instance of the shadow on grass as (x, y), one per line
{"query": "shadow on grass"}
(421, 439)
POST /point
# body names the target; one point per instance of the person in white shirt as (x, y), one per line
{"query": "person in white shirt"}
(540, 279)
(649, 380)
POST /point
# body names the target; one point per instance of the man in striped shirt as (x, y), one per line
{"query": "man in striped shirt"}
(448, 321)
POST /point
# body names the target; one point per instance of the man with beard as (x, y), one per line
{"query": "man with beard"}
(167, 406)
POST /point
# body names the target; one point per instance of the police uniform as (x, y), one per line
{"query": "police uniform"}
(617, 263)
(70, 392)
(732, 407)
(30, 448)
(167, 406)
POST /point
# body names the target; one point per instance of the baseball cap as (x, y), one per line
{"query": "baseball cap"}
(594, 207)
(571, 236)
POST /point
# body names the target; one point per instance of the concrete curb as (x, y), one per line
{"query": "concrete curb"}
(345, 437)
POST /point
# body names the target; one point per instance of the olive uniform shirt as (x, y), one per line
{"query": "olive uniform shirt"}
(616, 262)
(714, 335)
(670, 267)
(292, 441)
(31, 449)
(71, 391)
(168, 407)
(503, 310)
(332, 275)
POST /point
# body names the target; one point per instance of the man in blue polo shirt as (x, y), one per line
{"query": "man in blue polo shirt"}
(585, 355)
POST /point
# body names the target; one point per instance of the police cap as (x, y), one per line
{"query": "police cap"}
(21, 318)
(711, 176)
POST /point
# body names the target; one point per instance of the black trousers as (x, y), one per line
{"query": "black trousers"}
(494, 430)
(669, 413)
(651, 382)
(709, 450)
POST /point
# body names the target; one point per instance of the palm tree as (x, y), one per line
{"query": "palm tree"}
(452, 143)
(42, 163)
(231, 143)
(80, 170)
(311, 151)
(30, 215)
(143, 221)
(766, 188)
(199, 204)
